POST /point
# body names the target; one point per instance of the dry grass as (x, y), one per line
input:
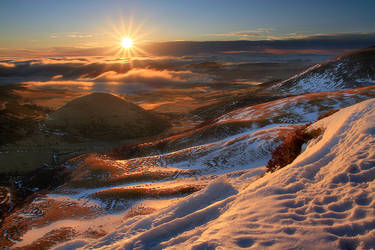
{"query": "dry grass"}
(51, 238)
(138, 210)
(329, 113)
(149, 175)
(139, 176)
(95, 171)
(94, 162)
(134, 193)
(205, 132)
(290, 148)
(40, 214)
(97, 164)
(5, 203)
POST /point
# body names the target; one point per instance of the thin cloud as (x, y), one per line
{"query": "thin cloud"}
(268, 34)
(302, 51)
(257, 33)
(343, 35)
(57, 77)
(71, 35)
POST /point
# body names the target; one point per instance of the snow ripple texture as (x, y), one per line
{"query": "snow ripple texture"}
(325, 199)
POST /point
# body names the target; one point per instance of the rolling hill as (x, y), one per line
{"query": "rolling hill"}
(108, 116)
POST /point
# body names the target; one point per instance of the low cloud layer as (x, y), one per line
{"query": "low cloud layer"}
(100, 74)
(152, 77)
(174, 63)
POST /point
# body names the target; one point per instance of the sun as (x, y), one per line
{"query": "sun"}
(126, 42)
(127, 39)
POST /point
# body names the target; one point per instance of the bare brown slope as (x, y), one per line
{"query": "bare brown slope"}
(106, 115)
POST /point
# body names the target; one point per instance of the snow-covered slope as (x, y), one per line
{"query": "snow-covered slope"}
(325, 199)
(290, 110)
(298, 109)
(102, 187)
(142, 196)
(349, 71)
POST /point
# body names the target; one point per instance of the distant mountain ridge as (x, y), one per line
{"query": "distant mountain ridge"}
(353, 70)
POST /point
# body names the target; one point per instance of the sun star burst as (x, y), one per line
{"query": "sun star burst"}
(128, 39)
(126, 42)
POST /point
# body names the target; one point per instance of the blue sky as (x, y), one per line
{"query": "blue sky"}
(42, 23)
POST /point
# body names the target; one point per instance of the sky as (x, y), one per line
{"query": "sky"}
(41, 24)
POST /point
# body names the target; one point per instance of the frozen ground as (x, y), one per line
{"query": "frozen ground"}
(125, 187)
(325, 199)
(136, 195)
(299, 109)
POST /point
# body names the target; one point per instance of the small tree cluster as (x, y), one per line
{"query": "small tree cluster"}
(290, 148)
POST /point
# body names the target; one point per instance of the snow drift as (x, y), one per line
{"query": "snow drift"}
(325, 199)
